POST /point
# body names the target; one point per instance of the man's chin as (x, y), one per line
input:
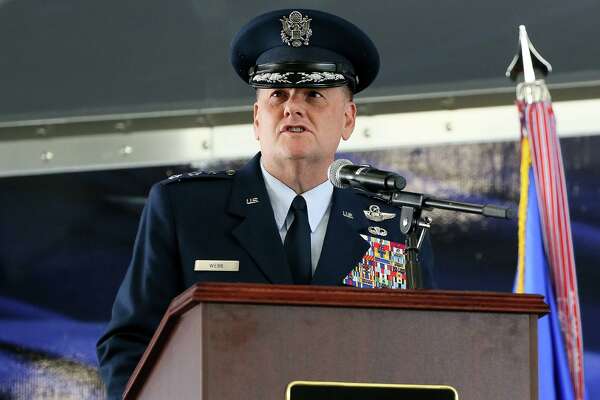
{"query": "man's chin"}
(301, 156)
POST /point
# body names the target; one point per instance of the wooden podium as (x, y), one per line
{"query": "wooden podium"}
(241, 341)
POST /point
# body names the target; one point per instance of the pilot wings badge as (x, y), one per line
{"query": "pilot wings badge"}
(296, 29)
(375, 214)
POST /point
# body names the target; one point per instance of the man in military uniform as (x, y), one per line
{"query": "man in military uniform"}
(278, 220)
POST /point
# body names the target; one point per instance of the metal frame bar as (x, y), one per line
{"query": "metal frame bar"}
(108, 144)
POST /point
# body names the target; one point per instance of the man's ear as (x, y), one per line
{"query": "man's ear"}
(255, 120)
(349, 119)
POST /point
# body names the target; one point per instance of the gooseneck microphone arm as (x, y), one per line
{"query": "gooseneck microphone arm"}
(419, 200)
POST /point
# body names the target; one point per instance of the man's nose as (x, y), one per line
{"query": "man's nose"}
(294, 106)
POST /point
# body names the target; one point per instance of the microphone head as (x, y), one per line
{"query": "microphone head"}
(333, 173)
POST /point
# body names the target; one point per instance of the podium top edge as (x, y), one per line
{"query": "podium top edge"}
(338, 296)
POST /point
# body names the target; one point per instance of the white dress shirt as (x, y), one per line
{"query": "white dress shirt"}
(318, 206)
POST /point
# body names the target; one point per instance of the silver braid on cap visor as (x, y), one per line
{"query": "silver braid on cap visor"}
(304, 77)
(318, 77)
(272, 77)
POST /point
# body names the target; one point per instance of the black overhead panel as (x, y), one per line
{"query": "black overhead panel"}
(74, 57)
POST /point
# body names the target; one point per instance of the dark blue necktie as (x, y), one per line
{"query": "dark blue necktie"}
(297, 243)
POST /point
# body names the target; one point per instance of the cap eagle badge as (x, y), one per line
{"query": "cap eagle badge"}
(296, 29)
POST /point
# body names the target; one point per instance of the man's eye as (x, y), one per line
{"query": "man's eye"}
(314, 93)
(277, 93)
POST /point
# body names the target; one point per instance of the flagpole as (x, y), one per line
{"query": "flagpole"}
(546, 260)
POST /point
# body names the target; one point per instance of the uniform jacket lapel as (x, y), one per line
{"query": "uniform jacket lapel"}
(343, 246)
(257, 232)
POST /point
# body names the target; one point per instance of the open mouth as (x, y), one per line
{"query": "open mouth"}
(294, 128)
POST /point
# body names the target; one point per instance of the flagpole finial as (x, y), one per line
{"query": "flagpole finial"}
(527, 60)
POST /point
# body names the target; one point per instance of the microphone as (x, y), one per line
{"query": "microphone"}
(343, 174)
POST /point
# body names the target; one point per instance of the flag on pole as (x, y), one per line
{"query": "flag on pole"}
(546, 264)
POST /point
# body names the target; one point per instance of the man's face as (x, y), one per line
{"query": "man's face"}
(302, 124)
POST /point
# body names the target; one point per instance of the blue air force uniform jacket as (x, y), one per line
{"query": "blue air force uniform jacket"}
(222, 216)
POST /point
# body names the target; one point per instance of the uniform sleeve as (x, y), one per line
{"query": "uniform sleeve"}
(152, 280)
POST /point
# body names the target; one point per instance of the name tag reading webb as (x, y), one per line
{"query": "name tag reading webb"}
(217, 265)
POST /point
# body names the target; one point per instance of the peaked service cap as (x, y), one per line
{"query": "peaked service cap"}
(304, 48)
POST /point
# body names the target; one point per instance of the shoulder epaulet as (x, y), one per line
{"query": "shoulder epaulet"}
(199, 175)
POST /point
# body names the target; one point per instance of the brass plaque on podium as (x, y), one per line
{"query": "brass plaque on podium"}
(311, 390)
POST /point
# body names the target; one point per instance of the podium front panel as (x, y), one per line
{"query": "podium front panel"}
(255, 351)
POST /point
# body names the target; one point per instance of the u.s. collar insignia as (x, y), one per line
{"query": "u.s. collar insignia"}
(375, 214)
(296, 29)
(376, 230)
